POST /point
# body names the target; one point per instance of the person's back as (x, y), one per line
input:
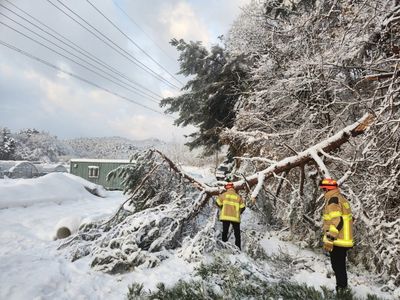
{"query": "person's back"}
(337, 212)
(338, 230)
(231, 205)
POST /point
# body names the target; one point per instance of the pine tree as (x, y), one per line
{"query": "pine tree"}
(208, 102)
(7, 145)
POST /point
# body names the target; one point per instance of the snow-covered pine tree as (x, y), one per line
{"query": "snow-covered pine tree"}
(162, 212)
(7, 145)
(209, 98)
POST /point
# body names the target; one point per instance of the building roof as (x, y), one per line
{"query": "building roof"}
(45, 168)
(10, 165)
(92, 160)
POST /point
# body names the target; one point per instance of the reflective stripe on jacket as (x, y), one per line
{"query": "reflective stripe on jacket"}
(338, 220)
(231, 204)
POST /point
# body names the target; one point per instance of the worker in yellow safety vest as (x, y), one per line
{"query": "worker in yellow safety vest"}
(338, 230)
(231, 207)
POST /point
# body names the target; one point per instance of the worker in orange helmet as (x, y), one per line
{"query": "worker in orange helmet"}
(338, 230)
(232, 206)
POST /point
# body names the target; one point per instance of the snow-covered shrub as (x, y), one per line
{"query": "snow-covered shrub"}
(254, 249)
(162, 211)
(229, 277)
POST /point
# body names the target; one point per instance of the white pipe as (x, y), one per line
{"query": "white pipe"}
(67, 226)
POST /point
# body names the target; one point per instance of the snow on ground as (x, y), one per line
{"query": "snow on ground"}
(313, 268)
(31, 267)
(53, 188)
(204, 175)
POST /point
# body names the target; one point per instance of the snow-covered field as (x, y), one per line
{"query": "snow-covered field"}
(31, 267)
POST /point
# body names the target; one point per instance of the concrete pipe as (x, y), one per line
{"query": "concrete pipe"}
(67, 226)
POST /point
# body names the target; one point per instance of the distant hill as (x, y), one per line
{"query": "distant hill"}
(109, 147)
(34, 145)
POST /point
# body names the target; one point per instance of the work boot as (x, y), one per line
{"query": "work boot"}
(343, 293)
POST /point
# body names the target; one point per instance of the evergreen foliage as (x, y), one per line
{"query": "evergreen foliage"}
(7, 145)
(217, 80)
(133, 173)
(221, 279)
(160, 213)
(135, 290)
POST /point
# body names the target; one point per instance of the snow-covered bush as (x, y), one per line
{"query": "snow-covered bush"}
(232, 278)
(161, 212)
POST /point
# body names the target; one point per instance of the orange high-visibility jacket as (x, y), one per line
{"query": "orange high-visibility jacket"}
(231, 204)
(338, 220)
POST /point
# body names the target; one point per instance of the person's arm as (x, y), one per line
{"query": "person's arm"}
(334, 218)
(242, 207)
(219, 202)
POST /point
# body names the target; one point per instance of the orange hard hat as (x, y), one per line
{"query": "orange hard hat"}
(328, 183)
(229, 185)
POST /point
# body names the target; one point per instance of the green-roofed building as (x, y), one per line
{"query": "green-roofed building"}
(96, 170)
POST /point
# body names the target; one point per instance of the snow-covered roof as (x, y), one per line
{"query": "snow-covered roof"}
(10, 165)
(50, 167)
(92, 160)
(7, 164)
(23, 164)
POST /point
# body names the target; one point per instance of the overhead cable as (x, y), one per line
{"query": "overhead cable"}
(134, 90)
(144, 32)
(75, 47)
(111, 43)
(22, 52)
(132, 41)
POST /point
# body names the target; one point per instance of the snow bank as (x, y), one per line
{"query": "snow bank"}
(54, 187)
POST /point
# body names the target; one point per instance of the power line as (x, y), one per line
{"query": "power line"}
(132, 41)
(116, 48)
(142, 30)
(140, 93)
(75, 47)
(133, 89)
(124, 53)
(77, 76)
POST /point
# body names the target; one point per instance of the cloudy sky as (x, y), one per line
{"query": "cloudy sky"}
(46, 44)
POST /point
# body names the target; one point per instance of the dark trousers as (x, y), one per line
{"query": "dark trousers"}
(338, 260)
(236, 230)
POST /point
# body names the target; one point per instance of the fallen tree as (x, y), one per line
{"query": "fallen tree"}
(308, 155)
(297, 99)
(164, 210)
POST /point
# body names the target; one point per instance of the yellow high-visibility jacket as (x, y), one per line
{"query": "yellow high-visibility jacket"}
(231, 205)
(338, 220)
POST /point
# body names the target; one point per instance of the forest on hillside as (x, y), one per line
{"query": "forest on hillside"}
(298, 90)
(33, 145)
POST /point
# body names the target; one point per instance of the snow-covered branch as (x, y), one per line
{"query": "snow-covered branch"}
(306, 156)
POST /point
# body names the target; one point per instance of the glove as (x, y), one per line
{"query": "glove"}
(328, 246)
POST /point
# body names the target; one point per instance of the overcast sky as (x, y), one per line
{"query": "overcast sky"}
(35, 95)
